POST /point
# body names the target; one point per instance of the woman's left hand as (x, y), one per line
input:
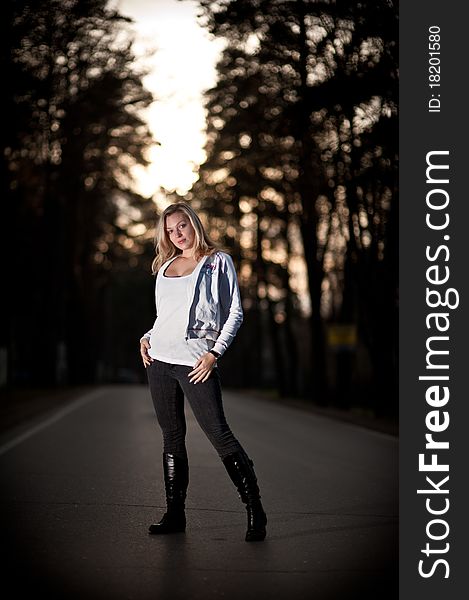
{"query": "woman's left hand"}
(202, 368)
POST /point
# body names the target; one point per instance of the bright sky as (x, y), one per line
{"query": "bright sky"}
(182, 67)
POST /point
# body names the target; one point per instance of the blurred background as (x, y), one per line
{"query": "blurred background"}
(275, 119)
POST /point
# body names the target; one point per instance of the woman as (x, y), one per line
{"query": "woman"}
(198, 308)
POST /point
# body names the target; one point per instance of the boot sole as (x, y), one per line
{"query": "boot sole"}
(255, 537)
(167, 532)
(165, 528)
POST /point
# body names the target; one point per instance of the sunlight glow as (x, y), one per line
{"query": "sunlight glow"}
(182, 67)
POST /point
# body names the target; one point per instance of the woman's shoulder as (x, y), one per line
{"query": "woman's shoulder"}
(164, 265)
(223, 259)
(221, 255)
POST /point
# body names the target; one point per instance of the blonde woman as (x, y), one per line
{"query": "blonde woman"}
(198, 313)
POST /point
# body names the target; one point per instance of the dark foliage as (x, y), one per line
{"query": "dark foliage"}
(302, 164)
(72, 97)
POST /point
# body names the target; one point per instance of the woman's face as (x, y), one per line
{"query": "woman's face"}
(180, 230)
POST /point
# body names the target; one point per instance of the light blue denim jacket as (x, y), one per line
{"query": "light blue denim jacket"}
(214, 299)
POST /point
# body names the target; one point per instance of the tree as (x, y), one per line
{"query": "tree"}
(67, 174)
(305, 106)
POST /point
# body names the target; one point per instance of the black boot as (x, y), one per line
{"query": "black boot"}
(241, 471)
(176, 480)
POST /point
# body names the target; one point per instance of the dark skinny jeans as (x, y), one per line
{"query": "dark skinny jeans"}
(168, 385)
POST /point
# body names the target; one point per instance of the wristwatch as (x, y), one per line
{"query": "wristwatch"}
(215, 354)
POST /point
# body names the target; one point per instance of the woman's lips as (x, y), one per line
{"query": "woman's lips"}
(181, 241)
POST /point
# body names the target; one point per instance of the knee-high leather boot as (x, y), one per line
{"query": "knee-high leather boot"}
(240, 468)
(176, 480)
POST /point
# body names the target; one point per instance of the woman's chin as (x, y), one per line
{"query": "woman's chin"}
(185, 247)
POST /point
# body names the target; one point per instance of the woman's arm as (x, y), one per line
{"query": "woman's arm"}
(147, 335)
(230, 298)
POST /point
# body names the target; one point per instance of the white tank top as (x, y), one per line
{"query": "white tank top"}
(167, 340)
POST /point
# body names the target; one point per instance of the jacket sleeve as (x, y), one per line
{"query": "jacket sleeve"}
(230, 299)
(147, 335)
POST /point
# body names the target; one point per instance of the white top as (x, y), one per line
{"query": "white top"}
(216, 311)
(167, 339)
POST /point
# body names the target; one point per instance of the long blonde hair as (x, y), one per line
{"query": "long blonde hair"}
(165, 249)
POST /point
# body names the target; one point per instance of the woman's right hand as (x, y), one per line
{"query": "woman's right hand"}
(144, 347)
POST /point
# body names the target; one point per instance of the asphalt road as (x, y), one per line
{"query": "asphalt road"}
(81, 486)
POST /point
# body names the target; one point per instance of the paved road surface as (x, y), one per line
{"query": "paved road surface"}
(80, 488)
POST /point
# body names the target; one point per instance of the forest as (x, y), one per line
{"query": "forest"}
(300, 185)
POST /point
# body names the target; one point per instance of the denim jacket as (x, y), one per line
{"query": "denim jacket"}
(215, 311)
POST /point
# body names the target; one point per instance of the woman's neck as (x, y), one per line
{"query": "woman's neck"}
(189, 255)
